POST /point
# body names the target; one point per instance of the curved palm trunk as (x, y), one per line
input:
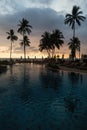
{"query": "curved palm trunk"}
(79, 54)
(24, 48)
(24, 52)
(74, 31)
(48, 51)
(53, 51)
(74, 55)
(11, 51)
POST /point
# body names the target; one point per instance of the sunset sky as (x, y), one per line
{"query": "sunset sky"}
(43, 15)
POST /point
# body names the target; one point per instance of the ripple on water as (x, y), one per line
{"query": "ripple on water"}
(33, 98)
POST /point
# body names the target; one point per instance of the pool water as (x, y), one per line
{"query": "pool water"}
(35, 98)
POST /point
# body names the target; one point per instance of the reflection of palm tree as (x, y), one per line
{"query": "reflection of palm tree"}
(24, 28)
(3, 69)
(25, 85)
(25, 42)
(12, 38)
(71, 103)
(74, 17)
(12, 76)
(50, 79)
(74, 77)
(74, 45)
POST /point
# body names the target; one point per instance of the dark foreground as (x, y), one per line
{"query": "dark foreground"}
(35, 98)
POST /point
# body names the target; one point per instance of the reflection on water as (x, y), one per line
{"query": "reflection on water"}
(71, 103)
(75, 78)
(34, 98)
(24, 93)
(50, 79)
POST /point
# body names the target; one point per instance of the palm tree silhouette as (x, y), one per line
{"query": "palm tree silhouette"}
(25, 42)
(24, 28)
(74, 17)
(74, 45)
(12, 37)
(50, 41)
(56, 40)
(45, 43)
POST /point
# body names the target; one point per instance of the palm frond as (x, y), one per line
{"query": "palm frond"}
(24, 27)
(74, 17)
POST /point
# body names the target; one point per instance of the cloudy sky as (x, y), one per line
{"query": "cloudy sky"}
(43, 15)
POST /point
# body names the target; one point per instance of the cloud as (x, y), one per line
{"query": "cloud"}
(10, 7)
(40, 19)
(42, 1)
(45, 19)
(66, 5)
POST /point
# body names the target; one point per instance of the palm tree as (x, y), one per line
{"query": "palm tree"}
(50, 41)
(74, 45)
(56, 40)
(24, 28)
(25, 42)
(74, 17)
(12, 37)
(45, 43)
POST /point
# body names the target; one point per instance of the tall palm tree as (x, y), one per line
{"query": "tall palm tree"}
(74, 45)
(25, 42)
(74, 17)
(45, 43)
(56, 40)
(24, 29)
(12, 37)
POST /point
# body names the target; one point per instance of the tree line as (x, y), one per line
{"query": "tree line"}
(50, 41)
(25, 30)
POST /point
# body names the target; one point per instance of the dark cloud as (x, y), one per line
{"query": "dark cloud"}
(41, 20)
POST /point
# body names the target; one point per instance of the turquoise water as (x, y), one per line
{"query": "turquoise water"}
(34, 98)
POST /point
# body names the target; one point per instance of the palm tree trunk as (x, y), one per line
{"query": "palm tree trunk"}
(24, 47)
(53, 53)
(74, 31)
(24, 52)
(48, 51)
(74, 57)
(79, 54)
(11, 51)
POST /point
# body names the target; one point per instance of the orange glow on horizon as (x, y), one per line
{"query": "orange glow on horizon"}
(5, 52)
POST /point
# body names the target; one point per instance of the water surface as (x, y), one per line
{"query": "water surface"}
(34, 98)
